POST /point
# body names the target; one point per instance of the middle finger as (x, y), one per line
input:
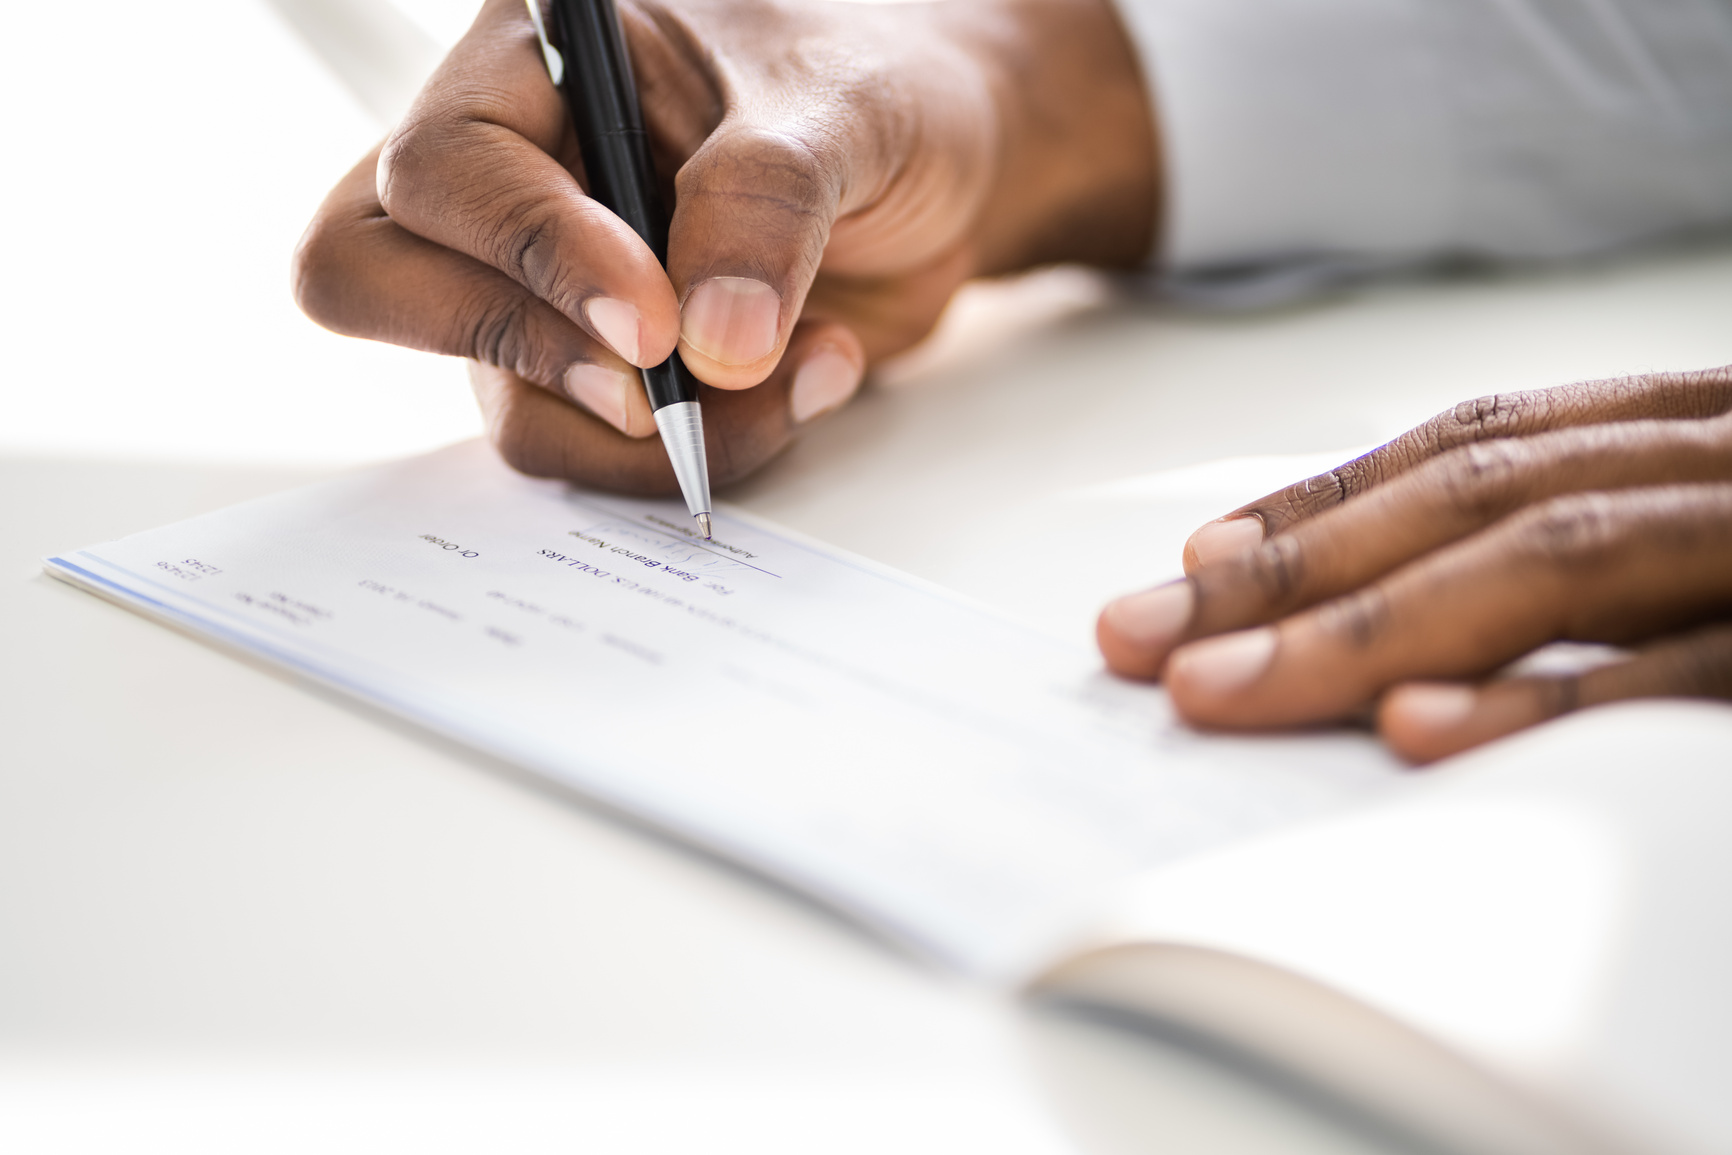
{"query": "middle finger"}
(541, 435)
(1592, 567)
(1444, 500)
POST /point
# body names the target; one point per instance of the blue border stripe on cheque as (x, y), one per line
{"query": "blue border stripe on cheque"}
(575, 775)
(258, 644)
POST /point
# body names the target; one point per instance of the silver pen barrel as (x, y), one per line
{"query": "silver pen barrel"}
(682, 428)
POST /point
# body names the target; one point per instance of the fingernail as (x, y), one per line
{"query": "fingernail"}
(1220, 666)
(1221, 539)
(825, 380)
(733, 320)
(617, 323)
(1435, 707)
(602, 391)
(1154, 618)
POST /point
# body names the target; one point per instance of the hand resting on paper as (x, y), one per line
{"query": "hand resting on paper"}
(1599, 512)
(835, 171)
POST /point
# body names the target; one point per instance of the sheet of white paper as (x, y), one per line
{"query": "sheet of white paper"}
(936, 770)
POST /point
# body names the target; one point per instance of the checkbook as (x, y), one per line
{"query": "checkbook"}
(1458, 954)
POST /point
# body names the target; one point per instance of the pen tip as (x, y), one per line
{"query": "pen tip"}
(704, 524)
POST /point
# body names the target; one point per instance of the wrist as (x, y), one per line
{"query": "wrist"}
(1078, 175)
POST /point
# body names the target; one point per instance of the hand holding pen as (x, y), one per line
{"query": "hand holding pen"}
(591, 68)
(837, 171)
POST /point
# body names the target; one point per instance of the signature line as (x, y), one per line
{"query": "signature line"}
(711, 552)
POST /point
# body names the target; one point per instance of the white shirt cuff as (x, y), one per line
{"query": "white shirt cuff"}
(1296, 130)
(1359, 134)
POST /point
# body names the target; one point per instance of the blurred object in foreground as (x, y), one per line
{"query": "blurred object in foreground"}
(379, 54)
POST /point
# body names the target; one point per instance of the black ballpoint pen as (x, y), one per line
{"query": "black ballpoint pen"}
(590, 67)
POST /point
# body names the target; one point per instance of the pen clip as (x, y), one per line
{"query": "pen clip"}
(555, 62)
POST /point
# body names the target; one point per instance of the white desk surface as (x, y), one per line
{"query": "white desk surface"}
(239, 914)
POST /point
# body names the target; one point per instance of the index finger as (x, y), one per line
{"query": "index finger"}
(1500, 415)
(1612, 567)
(477, 167)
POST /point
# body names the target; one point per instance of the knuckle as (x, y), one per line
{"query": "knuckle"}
(504, 330)
(1278, 568)
(1359, 619)
(1479, 482)
(1323, 492)
(1485, 418)
(756, 164)
(497, 335)
(521, 243)
(1575, 533)
(1353, 478)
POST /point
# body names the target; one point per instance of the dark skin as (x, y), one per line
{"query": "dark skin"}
(837, 171)
(1403, 580)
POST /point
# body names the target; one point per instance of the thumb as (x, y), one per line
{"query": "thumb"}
(842, 120)
(753, 214)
